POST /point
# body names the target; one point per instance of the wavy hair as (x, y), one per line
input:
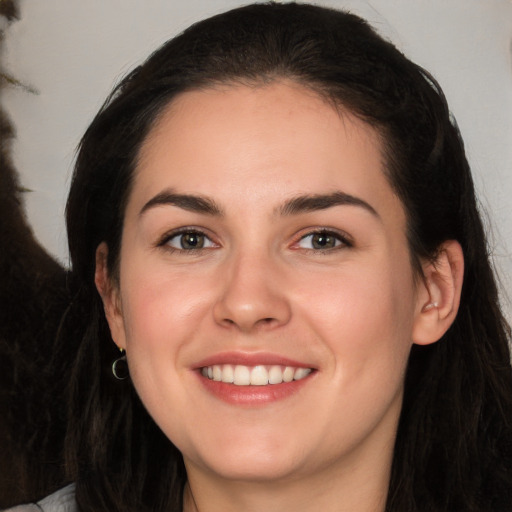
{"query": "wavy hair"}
(454, 443)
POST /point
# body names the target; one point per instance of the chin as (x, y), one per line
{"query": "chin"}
(250, 469)
(252, 461)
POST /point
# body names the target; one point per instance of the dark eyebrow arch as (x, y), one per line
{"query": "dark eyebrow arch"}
(308, 203)
(188, 202)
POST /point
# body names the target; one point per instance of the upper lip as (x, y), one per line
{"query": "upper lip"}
(250, 359)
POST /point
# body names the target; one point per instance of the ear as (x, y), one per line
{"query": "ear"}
(438, 296)
(109, 292)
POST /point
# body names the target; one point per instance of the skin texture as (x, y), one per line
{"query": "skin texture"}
(259, 286)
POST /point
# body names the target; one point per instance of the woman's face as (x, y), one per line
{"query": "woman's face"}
(266, 300)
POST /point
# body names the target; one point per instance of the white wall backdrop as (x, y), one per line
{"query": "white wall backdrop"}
(72, 52)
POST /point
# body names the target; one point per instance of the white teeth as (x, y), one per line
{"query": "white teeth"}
(275, 375)
(288, 374)
(228, 374)
(259, 375)
(242, 376)
(217, 372)
(300, 373)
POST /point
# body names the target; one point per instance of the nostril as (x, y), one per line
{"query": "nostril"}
(265, 321)
(261, 322)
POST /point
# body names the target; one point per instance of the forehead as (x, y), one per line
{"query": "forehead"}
(279, 137)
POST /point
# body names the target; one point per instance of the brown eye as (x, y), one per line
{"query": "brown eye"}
(192, 241)
(323, 241)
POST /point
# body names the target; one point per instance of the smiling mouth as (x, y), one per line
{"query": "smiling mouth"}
(259, 375)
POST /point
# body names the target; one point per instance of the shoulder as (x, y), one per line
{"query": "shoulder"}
(61, 501)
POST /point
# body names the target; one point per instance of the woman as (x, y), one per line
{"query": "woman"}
(279, 218)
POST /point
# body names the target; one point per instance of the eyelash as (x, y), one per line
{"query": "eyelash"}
(341, 240)
(166, 239)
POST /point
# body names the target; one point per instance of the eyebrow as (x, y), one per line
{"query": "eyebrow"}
(308, 203)
(192, 203)
(294, 206)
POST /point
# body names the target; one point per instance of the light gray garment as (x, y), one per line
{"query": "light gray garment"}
(61, 501)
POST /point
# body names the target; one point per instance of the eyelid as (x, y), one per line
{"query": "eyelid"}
(163, 241)
(345, 239)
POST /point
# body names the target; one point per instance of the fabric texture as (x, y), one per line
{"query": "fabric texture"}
(61, 501)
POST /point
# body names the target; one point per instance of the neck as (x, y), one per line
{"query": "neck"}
(353, 488)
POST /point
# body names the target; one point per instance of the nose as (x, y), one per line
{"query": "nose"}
(253, 295)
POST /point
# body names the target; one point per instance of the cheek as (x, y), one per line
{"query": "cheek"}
(360, 300)
(365, 317)
(161, 318)
(163, 312)
(160, 308)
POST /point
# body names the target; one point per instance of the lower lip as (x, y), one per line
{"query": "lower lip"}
(253, 395)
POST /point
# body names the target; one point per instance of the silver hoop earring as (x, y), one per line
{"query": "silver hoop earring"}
(120, 367)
